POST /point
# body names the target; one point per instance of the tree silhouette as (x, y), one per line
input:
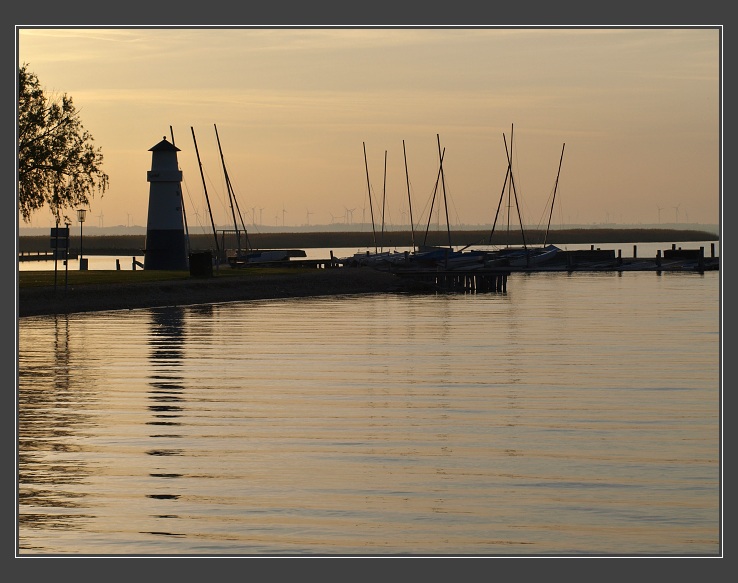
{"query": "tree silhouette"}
(58, 164)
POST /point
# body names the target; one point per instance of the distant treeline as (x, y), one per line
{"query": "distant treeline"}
(135, 244)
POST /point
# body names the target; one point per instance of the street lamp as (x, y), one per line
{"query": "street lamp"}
(81, 213)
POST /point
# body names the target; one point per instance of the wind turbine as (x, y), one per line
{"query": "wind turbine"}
(100, 216)
(350, 215)
(308, 213)
(284, 212)
(660, 209)
(261, 210)
(676, 212)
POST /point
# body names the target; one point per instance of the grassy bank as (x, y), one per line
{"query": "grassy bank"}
(76, 277)
(87, 291)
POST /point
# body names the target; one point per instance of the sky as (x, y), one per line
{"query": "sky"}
(622, 125)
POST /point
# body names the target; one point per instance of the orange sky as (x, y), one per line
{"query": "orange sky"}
(638, 109)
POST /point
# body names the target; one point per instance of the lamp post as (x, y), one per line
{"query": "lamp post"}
(81, 213)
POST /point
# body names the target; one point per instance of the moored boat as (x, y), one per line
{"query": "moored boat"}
(521, 256)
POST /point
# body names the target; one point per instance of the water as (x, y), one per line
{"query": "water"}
(573, 415)
(126, 263)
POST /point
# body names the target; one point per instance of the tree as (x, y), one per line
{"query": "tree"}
(58, 164)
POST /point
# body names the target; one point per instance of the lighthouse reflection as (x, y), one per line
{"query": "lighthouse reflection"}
(166, 396)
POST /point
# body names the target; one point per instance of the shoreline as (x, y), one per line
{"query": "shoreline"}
(43, 301)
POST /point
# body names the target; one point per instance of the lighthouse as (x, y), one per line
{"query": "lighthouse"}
(165, 234)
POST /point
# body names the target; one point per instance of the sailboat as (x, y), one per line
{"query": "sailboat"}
(244, 255)
(378, 258)
(446, 257)
(525, 256)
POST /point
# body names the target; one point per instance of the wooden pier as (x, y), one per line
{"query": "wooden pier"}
(457, 280)
(44, 256)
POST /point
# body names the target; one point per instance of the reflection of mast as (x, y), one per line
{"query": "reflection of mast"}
(210, 212)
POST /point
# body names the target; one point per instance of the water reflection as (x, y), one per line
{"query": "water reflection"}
(432, 424)
(166, 356)
(51, 424)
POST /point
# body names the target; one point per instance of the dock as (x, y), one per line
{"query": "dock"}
(44, 256)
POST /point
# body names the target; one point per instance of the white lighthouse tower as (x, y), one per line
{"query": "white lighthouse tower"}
(166, 246)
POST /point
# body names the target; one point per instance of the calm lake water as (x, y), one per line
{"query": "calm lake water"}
(126, 262)
(572, 415)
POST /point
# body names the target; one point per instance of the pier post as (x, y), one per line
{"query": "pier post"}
(635, 251)
(712, 249)
(658, 258)
(620, 257)
(117, 264)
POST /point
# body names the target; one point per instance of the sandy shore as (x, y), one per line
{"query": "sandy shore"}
(37, 301)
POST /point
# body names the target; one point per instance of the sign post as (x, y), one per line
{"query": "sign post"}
(60, 241)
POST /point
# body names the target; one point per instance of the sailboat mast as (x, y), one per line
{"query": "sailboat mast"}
(443, 184)
(508, 154)
(207, 198)
(181, 198)
(514, 190)
(384, 197)
(409, 201)
(553, 200)
(433, 200)
(499, 204)
(228, 187)
(371, 207)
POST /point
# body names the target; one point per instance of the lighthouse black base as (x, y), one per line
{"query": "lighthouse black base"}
(165, 249)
